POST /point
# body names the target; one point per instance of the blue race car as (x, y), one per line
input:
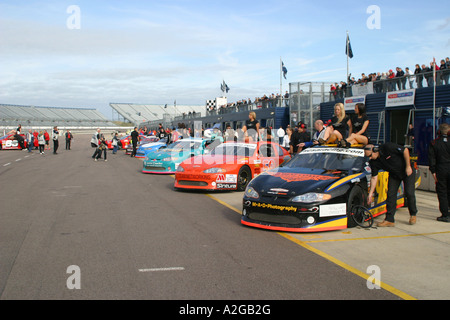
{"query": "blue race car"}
(167, 160)
(149, 147)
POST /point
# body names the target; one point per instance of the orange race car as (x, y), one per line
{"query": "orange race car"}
(229, 166)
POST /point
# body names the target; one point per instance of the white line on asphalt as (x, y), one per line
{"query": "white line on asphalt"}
(162, 269)
(18, 160)
(7, 164)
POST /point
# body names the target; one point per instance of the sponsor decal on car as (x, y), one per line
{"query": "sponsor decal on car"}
(274, 207)
(226, 186)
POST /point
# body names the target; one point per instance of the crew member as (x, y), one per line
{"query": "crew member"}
(134, 140)
(439, 164)
(55, 136)
(394, 159)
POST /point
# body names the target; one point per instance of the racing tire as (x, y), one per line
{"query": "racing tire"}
(244, 177)
(362, 216)
(355, 198)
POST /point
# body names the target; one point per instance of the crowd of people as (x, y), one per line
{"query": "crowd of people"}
(266, 101)
(398, 79)
(40, 140)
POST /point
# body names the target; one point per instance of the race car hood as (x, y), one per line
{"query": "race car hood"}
(206, 161)
(294, 181)
(151, 144)
(162, 154)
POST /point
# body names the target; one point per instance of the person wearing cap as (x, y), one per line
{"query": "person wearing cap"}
(439, 164)
(394, 159)
(298, 137)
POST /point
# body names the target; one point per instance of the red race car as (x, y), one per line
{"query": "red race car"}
(123, 141)
(10, 142)
(230, 166)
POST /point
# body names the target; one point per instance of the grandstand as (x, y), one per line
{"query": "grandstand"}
(12, 115)
(139, 113)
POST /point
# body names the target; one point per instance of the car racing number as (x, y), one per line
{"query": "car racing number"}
(10, 143)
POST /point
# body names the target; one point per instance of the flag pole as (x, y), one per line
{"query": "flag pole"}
(281, 79)
(348, 52)
(434, 98)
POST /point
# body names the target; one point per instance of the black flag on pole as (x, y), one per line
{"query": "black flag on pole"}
(283, 68)
(348, 48)
(224, 87)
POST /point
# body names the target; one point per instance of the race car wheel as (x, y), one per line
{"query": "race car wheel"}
(244, 177)
(355, 198)
(362, 216)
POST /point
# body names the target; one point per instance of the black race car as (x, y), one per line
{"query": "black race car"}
(314, 191)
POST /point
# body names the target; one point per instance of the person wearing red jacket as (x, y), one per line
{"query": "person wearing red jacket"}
(47, 140)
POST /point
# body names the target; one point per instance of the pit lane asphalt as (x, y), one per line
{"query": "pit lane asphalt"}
(133, 237)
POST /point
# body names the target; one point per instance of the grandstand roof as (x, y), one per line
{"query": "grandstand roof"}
(51, 116)
(139, 113)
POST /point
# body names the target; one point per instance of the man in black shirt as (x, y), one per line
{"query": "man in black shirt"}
(299, 136)
(394, 159)
(134, 140)
(439, 164)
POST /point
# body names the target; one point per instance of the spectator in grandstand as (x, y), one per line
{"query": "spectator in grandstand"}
(391, 82)
(30, 140)
(445, 71)
(410, 77)
(55, 137)
(47, 140)
(41, 140)
(69, 138)
(427, 75)
(251, 127)
(419, 77)
(401, 81)
(359, 123)
(394, 159)
(337, 130)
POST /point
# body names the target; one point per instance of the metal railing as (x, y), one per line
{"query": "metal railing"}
(414, 81)
(242, 107)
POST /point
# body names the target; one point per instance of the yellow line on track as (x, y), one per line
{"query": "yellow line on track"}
(224, 203)
(347, 267)
(384, 237)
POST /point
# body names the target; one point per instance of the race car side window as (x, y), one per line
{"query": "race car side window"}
(266, 150)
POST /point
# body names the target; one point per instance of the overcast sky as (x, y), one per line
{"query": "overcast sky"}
(156, 52)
